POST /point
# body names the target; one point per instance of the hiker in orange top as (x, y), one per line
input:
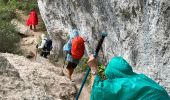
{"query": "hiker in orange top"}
(32, 20)
(75, 50)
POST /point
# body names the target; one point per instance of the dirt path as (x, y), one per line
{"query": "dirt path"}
(78, 79)
(28, 44)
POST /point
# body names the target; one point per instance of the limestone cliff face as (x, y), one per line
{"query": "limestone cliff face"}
(138, 30)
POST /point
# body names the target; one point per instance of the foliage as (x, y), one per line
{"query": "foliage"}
(42, 26)
(82, 67)
(7, 11)
(7, 15)
(8, 5)
(101, 69)
(27, 5)
(9, 38)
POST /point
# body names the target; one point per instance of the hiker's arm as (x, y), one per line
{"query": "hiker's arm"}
(92, 62)
(42, 44)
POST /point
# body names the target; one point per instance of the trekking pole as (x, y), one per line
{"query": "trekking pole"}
(95, 55)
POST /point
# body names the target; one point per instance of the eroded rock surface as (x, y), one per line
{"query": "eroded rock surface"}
(22, 79)
(138, 30)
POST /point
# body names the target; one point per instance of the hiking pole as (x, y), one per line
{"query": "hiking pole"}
(95, 55)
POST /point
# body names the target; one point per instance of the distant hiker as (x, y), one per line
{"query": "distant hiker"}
(32, 20)
(75, 50)
(45, 46)
(123, 84)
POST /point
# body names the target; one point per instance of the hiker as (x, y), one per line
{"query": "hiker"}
(75, 50)
(45, 46)
(32, 20)
(122, 83)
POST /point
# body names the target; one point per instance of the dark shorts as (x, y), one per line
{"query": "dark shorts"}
(71, 65)
(70, 59)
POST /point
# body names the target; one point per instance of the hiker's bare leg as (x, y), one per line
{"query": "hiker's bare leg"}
(34, 28)
(70, 72)
(70, 69)
(30, 27)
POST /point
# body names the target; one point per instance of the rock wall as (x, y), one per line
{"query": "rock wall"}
(138, 30)
(22, 79)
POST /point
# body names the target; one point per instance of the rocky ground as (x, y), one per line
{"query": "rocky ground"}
(22, 79)
(36, 78)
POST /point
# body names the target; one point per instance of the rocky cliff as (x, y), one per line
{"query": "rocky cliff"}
(22, 79)
(138, 30)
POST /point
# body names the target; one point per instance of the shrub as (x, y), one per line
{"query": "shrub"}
(101, 69)
(9, 38)
(82, 66)
(7, 15)
(27, 5)
(42, 26)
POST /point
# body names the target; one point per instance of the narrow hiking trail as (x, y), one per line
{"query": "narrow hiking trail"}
(28, 45)
(85, 94)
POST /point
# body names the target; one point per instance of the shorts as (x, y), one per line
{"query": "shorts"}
(71, 65)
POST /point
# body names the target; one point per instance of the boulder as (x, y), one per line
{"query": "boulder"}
(138, 30)
(22, 79)
(22, 29)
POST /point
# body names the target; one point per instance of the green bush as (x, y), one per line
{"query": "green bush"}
(9, 5)
(27, 5)
(21, 5)
(7, 15)
(42, 26)
(7, 10)
(101, 69)
(9, 38)
(82, 66)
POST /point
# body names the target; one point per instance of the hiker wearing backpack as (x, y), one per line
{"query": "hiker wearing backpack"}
(75, 50)
(122, 83)
(45, 46)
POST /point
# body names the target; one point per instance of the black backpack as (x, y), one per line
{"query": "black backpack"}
(48, 45)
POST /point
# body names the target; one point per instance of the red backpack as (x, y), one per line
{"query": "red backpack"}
(78, 47)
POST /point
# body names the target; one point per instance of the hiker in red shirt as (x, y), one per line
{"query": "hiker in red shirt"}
(32, 20)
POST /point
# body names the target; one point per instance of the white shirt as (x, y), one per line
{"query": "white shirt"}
(42, 43)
